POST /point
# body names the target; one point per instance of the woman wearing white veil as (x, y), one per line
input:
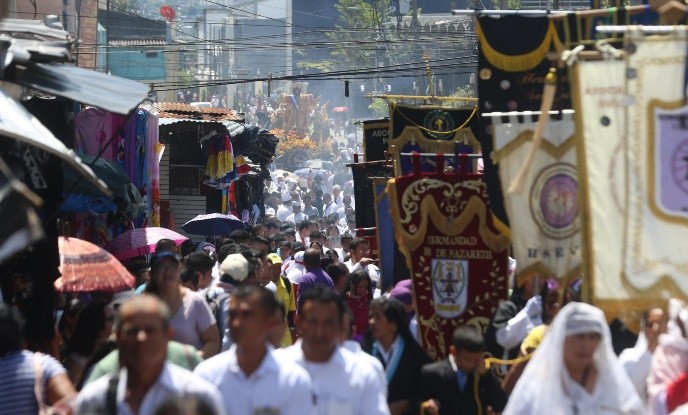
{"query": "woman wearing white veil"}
(575, 370)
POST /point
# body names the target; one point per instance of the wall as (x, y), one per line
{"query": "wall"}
(138, 62)
(184, 208)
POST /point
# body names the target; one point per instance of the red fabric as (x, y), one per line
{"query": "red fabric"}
(359, 308)
(677, 392)
(460, 273)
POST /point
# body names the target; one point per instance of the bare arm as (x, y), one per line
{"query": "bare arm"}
(59, 388)
(211, 342)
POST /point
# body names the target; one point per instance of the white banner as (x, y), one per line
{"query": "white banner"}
(630, 126)
(600, 100)
(654, 253)
(544, 216)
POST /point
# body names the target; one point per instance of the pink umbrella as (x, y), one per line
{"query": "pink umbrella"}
(86, 267)
(141, 241)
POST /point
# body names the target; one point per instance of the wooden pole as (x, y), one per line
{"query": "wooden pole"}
(423, 97)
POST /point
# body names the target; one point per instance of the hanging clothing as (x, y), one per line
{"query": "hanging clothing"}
(95, 129)
(220, 157)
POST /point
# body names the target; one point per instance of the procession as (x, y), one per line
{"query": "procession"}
(343, 207)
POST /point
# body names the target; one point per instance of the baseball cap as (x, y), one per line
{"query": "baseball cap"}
(274, 259)
(236, 266)
(159, 256)
(298, 257)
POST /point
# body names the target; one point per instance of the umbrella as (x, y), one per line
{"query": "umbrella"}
(313, 172)
(319, 164)
(340, 109)
(291, 177)
(126, 196)
(141, 241)
(87, 267)
(214, 224)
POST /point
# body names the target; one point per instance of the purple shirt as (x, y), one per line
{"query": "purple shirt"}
(312, 278)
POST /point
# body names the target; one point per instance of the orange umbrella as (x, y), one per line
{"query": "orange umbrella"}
(86, 267)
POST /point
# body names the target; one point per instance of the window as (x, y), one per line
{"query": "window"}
(185, 181)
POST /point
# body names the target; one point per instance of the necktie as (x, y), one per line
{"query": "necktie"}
(461, 378)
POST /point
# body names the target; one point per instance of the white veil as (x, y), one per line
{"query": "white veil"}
(541, 388)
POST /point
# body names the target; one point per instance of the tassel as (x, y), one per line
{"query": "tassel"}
(547, 99)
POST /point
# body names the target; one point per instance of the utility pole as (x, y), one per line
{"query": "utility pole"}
(414, 15)
(107, 36)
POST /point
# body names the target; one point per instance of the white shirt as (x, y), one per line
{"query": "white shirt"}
(277, 386)
(341, 211)
(330, 209)
(283, 211)
(637, 365)
(173, 382)
(295, 272)
(346, 384)
(372, 270)
(296, 218)
(340, 254)
(311, 211)
(355, 347)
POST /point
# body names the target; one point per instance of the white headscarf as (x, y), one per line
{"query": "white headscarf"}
(546, 387)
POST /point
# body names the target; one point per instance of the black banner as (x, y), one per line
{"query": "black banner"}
(435, 123)
(375, 135)
(363, 190)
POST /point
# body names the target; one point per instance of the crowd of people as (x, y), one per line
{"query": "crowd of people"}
(288, 317)
(268, 321)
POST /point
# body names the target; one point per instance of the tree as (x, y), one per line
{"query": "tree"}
(359, 38)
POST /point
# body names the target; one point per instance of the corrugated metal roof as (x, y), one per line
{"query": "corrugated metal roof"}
(175, 106)
(137, 42)
(182, 110)
(111, 93)
(49, 28)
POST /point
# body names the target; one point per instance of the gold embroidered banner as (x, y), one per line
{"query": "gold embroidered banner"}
(654, 258)
(458, 259)
(544, 216)
(632, 260)
(599, 99)
(427, 129)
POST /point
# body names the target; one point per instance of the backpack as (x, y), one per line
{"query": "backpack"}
(287, 284)
(218, 306)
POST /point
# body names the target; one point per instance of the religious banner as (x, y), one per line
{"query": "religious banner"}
(433, 122)
(363, 190)
(453, 162)
(654, 264)
(547, 235)
(392, 262)
(375, 134)
(599, 99)
(424, 129)
(512, 64)
(457, 258)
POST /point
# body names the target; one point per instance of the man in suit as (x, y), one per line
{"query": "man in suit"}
(448, 387)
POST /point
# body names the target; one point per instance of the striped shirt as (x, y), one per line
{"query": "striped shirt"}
(17, 396)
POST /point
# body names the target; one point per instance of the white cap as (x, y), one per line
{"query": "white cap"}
(236, 266)
(298, 257)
